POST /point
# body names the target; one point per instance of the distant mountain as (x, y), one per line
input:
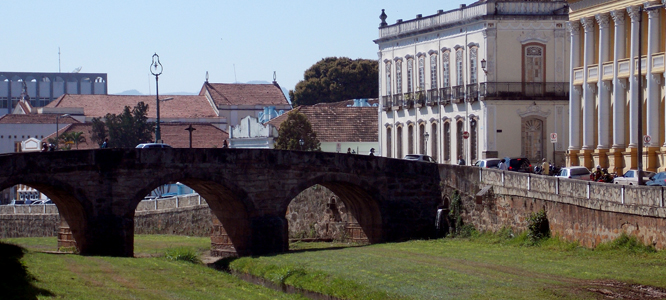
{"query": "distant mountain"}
(130, 92)
(136, 93)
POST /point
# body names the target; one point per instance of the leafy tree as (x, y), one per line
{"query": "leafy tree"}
(294, 129)
(127, 129)
(335, 79)
(72, 138)
(98, 131)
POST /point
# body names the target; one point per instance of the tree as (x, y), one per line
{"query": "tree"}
(294, 129)
(335, 79)
(69, 138)
(125, 130)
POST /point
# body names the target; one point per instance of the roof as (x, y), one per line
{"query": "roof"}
(35, 119)
(174, 134)
(181, 106)
(225, 94)
(338, 123)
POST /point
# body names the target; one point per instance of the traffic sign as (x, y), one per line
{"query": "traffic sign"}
(647, 139)
(465, 135)
(553, 137)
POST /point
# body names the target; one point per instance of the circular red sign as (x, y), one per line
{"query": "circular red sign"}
(465, 135)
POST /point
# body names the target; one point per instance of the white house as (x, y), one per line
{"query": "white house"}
(485, 80)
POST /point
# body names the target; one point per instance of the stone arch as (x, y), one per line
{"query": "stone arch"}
(228, 202)
(358, 195)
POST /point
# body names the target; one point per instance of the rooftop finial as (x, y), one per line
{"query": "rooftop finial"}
(274, 77)
(206, 76)
(383, 18)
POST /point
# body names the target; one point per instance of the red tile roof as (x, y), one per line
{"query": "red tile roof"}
(205, 135)
(99, 105)
(224, 94)
(338, 123)
(35, 119)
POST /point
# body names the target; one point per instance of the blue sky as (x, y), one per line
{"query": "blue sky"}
(192, 37)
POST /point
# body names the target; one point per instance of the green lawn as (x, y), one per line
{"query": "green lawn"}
(68, 276)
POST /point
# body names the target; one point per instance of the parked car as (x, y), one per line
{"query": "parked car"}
(152, 145)
(657, 179)
(631, 177)
(520, 164)
(419, 157)
(488, 163)
(575, 172)
(167, 195)
(17, 202)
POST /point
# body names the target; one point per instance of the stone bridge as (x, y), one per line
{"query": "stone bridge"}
(248, 190)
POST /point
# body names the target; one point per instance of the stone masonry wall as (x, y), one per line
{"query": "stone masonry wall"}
(190, 221)
(317, 213)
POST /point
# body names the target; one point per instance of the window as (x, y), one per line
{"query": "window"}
(410, 75)
(459, 139)
(410, 139)
(398, 77)
(421, 73)
(473, 65)
(398, 141)
(433, 141)
(459, 66)
(533, 64)
(446, 81)
(388, 143)
(447, 141)
(433, 71)
(532, 137)
(473, 140)
(422, 139)
(388, 78)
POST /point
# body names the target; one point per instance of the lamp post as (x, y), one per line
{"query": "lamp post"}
(156, 69)
(190, 129)
(426, 136)
(57, 129)
(301, 142)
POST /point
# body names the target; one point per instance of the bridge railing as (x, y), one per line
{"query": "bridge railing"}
(628, 195)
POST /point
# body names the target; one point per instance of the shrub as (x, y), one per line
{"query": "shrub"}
(182, 254)
(538, 227)
(627, 243)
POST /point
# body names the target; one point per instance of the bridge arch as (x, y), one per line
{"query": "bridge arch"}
(227, 201)
(360, 198)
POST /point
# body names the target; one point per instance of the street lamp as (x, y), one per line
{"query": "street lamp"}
(57, 128)
(156, 69)
(301, 142)
(483, 65)
(190, 129)
(426, 136)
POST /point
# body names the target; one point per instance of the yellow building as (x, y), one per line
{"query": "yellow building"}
(604, 89)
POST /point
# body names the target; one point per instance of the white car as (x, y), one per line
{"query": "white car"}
(631, 177)
(488, 163)
(419, 157)
(152, 145)
(575, 172)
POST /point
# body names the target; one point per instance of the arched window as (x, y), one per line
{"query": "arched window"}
(398, 77)
(421, 73)
(388, 79)
(389, 151)
(473, 78)
(410, 139)
(459, 138)
(422, 148)
(533, 63)
(459, 67)
(433, 141)
(447, 141)
(473, 141)
(433, 71)
(398, 141)
(410, 75)
(446, 74)
(533, 139)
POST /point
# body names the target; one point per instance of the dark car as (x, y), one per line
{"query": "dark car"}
(657, 179)
(520, 164)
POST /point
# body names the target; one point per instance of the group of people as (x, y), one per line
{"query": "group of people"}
(47, 147)
(601, 175)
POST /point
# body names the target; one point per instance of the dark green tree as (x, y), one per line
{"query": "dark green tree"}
(335, 79)
(98, 131)
(129, 128)
(294, 129)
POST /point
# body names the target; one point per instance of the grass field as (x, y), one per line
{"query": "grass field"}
(482, 267)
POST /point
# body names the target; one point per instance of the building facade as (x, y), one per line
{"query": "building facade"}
(607, 39)
(485, 80)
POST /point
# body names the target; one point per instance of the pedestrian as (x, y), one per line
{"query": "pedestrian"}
(349, 151)
(372, 151)
(225, 145)
(545, 167)
(502, 165)
(45, 147)
(105, 144)
(461, 161)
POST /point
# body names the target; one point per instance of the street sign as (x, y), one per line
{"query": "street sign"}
(465, 135)
(553, 137)
(647, 139)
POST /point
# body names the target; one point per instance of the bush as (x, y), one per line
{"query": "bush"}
(627, 243)
(538, 227)
(182, 254)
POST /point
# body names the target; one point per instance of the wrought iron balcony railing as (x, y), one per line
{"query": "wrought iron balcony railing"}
(524, 90)
(458, 94)
(387, 102)
(433, 97)
(472, 92)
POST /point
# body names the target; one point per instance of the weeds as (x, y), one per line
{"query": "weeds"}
(626, 243)
(182, 254)
(538, 227)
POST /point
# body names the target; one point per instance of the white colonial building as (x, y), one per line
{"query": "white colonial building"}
(495, 71)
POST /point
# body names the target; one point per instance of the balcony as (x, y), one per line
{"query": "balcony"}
(445, 95)
(472, 92)
(658, 63)
(524, 91)
(433, 97)
(578, 75)
(607, 73)
(458, 94)
(420, 99)
(408, 100)
(397, 101)
(386, 103)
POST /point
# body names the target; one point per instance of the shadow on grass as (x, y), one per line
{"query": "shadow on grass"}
(15, 280)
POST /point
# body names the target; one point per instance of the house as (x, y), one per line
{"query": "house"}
(607, 86)
(350, 124)
(484, 80)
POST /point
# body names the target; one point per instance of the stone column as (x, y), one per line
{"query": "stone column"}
(634, 14)
(653, 87)
(588, 92)
(574, 96)
(619, 95)
(603, 117)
